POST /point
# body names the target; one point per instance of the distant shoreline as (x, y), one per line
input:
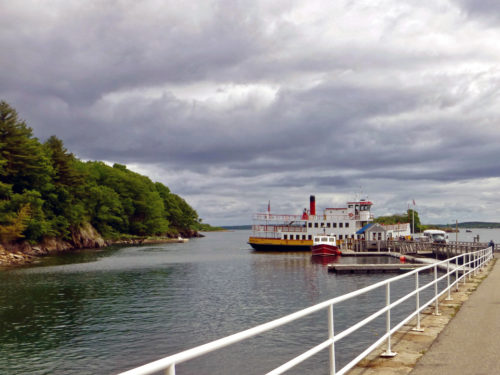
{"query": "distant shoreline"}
(237, 227)
(24, 254)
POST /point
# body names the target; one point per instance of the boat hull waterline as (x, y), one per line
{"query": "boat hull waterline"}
(270, 244)
(325, 250)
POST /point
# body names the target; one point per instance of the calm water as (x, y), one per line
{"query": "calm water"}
(102, 312)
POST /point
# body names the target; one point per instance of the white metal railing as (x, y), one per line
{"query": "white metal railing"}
(461, 267)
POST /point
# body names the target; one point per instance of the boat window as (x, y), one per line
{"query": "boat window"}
(285, 236)
(309, 237)
(324, 239)
(303, 236)
(332, 239)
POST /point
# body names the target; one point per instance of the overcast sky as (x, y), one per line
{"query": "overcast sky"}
(235, 103)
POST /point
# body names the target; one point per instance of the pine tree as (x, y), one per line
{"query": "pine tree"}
(23, 163)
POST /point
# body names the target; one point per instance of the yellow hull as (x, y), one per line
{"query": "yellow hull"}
(275, 244)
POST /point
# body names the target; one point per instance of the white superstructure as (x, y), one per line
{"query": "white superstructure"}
(295, 232)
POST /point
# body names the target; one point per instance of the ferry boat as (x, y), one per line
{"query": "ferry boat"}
(271, 232)
(324, 245)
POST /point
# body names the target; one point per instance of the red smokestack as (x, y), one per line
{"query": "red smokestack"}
(312, 205)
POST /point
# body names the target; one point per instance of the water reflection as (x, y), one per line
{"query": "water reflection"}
(108, 311)
(325, 260)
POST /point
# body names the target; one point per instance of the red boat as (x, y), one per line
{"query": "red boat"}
(325, 245)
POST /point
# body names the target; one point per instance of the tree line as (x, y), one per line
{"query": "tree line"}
(45, 191)
(408, 217)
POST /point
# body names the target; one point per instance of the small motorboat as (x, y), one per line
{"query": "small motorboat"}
(325, 245)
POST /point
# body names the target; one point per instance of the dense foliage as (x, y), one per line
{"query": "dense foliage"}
(45, 191)
(407, 217)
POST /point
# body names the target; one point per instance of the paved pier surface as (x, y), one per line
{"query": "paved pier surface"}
(470, 343)
(463, 339)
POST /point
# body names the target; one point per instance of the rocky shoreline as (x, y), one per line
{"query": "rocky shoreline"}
(85, 237)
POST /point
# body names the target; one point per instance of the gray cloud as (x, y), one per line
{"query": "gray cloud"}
(232, 104)
(488, 10)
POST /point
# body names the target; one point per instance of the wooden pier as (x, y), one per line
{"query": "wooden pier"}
(441, 251)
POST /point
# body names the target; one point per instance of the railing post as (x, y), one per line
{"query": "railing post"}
(469, 263)
(448, 298)
(417, 328)
(436, 309)
(331, 334)
(465, 267)
(388, 352)
(475, 264)
(456, 274)
(170, 369)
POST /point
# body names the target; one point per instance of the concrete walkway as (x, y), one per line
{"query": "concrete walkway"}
(470, 343)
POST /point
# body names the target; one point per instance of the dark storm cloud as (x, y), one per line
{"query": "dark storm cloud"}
(486, 9)
(226, 99)
(330, 119)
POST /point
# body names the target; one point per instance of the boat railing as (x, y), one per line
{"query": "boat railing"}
(274, 217)
(457, 270)
(278, 228)
(299, 218)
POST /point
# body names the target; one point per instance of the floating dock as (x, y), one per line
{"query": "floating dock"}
(373, 268)
(349, 253)
(413, 262)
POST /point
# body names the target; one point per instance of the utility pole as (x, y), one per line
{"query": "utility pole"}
(413, 220)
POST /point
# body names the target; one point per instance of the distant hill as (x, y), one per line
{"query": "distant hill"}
(237, 227)
(472, 224)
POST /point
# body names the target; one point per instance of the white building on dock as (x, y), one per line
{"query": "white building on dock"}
(381, 232)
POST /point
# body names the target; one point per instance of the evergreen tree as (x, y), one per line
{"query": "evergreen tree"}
(46, 192)
(413, 215)
(24, 164)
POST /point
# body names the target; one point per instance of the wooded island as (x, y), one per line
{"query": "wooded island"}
(50, 198)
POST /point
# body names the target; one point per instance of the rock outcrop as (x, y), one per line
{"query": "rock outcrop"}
(83, 237)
